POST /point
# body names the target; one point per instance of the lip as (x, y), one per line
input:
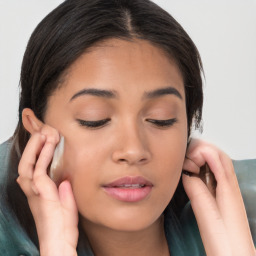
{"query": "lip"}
(129, 188)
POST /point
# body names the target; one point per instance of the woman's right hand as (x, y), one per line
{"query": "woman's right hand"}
(54, 209)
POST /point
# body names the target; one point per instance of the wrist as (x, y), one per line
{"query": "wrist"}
(57, 250)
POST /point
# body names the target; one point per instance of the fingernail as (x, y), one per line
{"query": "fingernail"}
(187, 173)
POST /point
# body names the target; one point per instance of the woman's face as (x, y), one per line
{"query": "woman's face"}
(132, 87)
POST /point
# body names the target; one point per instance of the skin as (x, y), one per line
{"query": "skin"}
(128, 145)
(222, 220)
(138, 147)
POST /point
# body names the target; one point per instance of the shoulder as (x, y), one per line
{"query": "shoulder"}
(246, 175)
(13, 240)
(5, 149)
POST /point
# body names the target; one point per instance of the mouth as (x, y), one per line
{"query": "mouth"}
(131, 186)
(129, 189)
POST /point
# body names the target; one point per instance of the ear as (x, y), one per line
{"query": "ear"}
(31, 123)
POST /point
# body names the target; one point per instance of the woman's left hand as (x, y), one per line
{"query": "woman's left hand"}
(222, 221)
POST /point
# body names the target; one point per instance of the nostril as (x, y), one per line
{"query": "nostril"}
(143, 160)
(123, 160)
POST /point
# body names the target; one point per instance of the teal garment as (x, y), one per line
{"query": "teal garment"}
(182, 235)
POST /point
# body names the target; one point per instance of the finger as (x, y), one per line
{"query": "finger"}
(41, 181)
(70, 211)
(45, 158)
(46, 155)
(27, 163)
(208, 154)
(190, 166)
(233, 211)
(30, 154)
(196, 148)
(210, 223)
(68, 201)
(27, 186)
(227, 165)
(228, 197)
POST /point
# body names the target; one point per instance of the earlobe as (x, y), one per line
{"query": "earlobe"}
(31, 123)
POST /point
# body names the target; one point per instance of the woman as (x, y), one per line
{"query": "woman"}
(120, 83)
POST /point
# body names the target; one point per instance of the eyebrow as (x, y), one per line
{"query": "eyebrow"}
(111, 94)
(161, 92)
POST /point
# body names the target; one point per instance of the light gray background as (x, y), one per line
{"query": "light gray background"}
(225, 34)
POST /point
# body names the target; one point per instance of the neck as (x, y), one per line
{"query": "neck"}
(106, 242)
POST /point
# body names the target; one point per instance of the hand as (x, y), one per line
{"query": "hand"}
(54, 209)
(222, 221)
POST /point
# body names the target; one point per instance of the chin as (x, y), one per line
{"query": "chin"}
(130, 226)
(130, 220)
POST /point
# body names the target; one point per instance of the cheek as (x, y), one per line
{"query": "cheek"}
(83, 161)
(79, 157)
(87, 162)
(81, 151)
(170, 156)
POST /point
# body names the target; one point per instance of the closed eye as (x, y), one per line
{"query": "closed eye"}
(93, 124)
(163, 123)
(100, 123)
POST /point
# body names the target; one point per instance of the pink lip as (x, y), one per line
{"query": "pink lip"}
(129, 188)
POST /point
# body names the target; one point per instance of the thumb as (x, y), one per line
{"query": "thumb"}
(209, 220)
(68, 201)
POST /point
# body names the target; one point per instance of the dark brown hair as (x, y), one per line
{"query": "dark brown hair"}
(70, 30)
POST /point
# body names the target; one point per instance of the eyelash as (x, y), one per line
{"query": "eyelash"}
(93, 124)
(101, 123)
(163, 123)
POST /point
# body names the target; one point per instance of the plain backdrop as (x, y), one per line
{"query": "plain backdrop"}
(225, 34)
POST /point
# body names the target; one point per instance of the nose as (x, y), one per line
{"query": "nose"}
(132, 147)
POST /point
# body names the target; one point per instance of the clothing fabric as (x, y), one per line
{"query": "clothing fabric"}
(182, 234)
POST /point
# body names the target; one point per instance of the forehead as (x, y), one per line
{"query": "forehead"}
(132, 67)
